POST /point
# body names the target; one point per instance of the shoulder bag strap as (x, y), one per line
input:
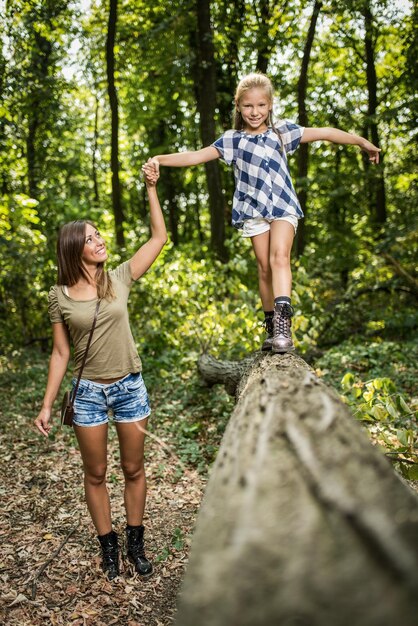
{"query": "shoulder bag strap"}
(96, 312)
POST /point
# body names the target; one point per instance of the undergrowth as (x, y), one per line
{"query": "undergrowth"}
(377, 380)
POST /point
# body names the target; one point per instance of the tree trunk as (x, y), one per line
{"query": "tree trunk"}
(40, 61)
(303, 521)
(168, 185)
(264, 11)
(379, 199)
(4, 172)
(173, 207)
(232, 17)
(206, 104)
(96, 196)
(303, 160)
(113, 101)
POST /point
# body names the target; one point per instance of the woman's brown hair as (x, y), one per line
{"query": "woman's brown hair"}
(70, 246)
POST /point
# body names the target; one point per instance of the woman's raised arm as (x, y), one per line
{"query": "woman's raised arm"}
(145, 256)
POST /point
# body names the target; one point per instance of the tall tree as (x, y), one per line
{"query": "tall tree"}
(40, 68)
(379, 192)
(113, 101)
(205, 72)
(267, 13)
(94, 150)
(303, 160)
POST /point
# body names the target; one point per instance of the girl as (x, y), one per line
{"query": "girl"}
(265, 205)
(112, 377)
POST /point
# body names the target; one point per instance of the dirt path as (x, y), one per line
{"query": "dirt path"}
(43, 502)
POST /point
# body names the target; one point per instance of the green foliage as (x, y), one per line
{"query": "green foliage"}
(355, 286)
(22, 272)
(389, 417)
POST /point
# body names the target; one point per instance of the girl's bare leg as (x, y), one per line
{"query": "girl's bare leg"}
(261, 247)
(281, 240)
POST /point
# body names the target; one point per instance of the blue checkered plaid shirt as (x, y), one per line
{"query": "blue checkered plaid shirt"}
(263, 183)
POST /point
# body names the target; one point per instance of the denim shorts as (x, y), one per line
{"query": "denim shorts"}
(126, 400)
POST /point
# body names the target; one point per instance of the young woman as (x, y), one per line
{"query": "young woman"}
(265, 205)
(112, 379)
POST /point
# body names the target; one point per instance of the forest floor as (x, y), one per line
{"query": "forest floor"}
(49, 555)
(43, 511)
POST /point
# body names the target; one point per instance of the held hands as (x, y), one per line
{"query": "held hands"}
(371, 150)
(151, 170)
(42, 421)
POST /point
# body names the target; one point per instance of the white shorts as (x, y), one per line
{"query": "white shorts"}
(259, 225)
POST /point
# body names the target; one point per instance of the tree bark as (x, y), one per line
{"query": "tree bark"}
(303, 159)
(379, 199)
(168, 186)
(402, 272)
(303, 520)
(113, 101)
(4, 174)
(96, 195)
(40, 61)
(264, 11)
(206, 104)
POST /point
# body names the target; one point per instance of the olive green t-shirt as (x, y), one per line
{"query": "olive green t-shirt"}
(112, 351)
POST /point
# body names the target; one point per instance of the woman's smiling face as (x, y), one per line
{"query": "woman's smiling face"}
(94, 247)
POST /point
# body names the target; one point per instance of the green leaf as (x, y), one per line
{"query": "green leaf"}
(391, 409)
(347, 381)
(413, 472)
(403, 436)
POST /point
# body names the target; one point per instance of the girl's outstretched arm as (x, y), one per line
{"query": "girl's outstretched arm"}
(340, 136)
(183, 159)
(145, 256)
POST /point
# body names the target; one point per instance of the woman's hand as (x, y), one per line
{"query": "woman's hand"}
(42, 421)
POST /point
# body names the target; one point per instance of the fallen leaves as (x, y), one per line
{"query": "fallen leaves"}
(43, 501)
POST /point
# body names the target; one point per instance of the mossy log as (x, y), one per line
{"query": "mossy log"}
(304, 522)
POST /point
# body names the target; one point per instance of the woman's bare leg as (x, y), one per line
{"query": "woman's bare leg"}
(131, 441)
(93, 447)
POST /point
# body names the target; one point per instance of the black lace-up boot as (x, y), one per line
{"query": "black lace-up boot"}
(110, 554)
(282, 321)
(135, 550)
(268, 341)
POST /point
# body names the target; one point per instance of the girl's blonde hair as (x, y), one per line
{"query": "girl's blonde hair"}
(70, 246)
(251, 81)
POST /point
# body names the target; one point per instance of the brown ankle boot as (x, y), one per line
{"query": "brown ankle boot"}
(282, 333)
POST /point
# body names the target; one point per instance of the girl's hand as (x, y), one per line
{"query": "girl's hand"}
(42, 421)
(150, 174)
(152, 163)
(372, 151)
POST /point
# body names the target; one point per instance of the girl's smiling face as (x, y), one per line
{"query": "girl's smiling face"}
(255, 106)
(94, 247)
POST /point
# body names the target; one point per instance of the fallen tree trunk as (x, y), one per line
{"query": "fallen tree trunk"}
(303, 522)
